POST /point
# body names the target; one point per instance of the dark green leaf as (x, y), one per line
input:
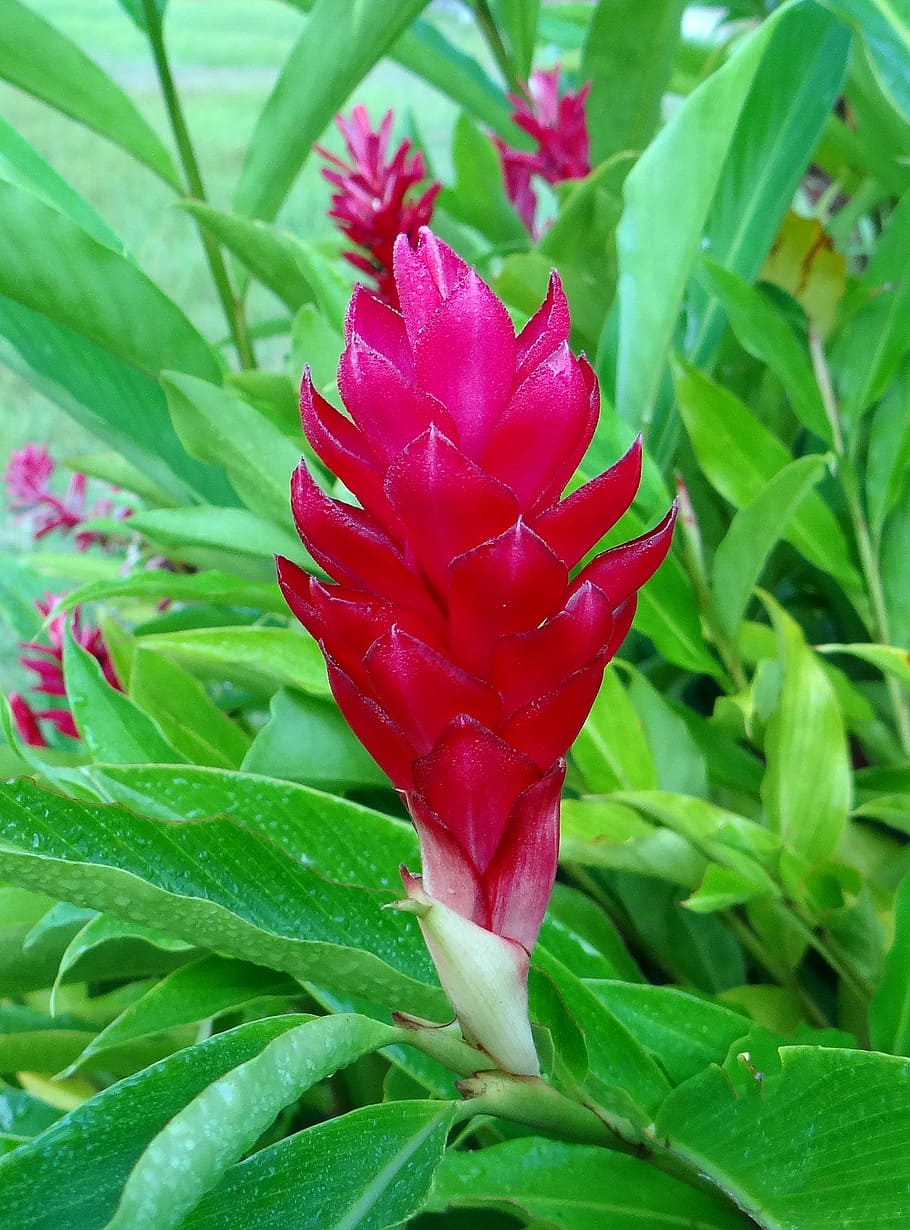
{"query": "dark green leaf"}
(478, 197)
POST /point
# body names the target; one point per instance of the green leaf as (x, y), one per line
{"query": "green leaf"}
(327, 1172)
(601, 833)
(425, 51)
(226, 1119)
(113, 728)
(22, 1117)
(665, 215)
(678, 760)
(884, 27)
(268, 907)
(51, 265)
(575, 1187)
(807, 808)
(269, 253)
(38, 58)
(579, 934)
(226, 529)
(478, 197)
(753, 533)
(517, 21)
(217, 426)
(765, 334)
(611, 750)
(683, 1032)
(869, 349)
(628, 57)
(739, 456)
(210, 586)
(185, 713)
(815, 1145)
(889, 1014)
(888, 459)
(137, 11)
(307, 740)
(888, 659)
(201, 991)
(259, 658)
(22, 165)
(72, 1174)
(338, 47)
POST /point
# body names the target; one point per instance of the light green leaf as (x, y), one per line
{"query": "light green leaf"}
(157, 583)
(260, 658)
(54, 267)
(889, 660)
(739, 456)
(753, 533)
(225, 529)
(807, 787)
(888, 458)
(628, 57)
(724, 887)
(217, 426)
(226, 1119)
(884, 26)
(113, 728)
(478, 197)
(889, 1014)
(765, 334)
(600, 833)
(678, 761)
(327, 1171)
(38, 58)
(579, 934)
(72, 1174)
(269, 907)
(517, 21)
(816, 1144)
(575, 1187)
(611, 750)
(339, 45)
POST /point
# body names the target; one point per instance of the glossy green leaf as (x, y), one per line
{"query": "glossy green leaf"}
(815, 1144)
(51, 265)
(611, 750)
(38, 58)
(685, 1033)
(72, 1174)
(628, 57)
(764, 333)
(307, 740)
(888, 659)
(260, 658)
(22, 1117)
(112, 727)
(339, 45)
(226, 1119)
(869, 349)
(808, 809)
(666, 210)
(327, 1171)
(753, 533)
(267, 252)
(889, 1014)
(184, 711)
(225, 529)
(884, 26)
(575, 1187)
(22, 165)
(739, 456)
(271, 908)
(579, 934)
(425, 51)
(210, 586)
(217, 426)
(197, 992)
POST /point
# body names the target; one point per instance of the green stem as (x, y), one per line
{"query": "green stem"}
(868, 557)
(491, 33)
(233, 308)
(859, 985)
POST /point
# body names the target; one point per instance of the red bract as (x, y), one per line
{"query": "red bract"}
(370, 205)
(464, 645)
(559, 128)
(46, 661)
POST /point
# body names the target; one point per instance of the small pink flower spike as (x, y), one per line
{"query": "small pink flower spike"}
(369, 204)
(464, 645)
(559, 127)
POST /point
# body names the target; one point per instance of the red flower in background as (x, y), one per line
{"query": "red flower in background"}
(559, 127)
(28, 478)
(46, 661)
(462, 646)
(370, 205)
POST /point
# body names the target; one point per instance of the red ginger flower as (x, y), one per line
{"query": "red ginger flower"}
(46, 661)
(460, 646)
(28, 486)
(560, 129)
(370, 205)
